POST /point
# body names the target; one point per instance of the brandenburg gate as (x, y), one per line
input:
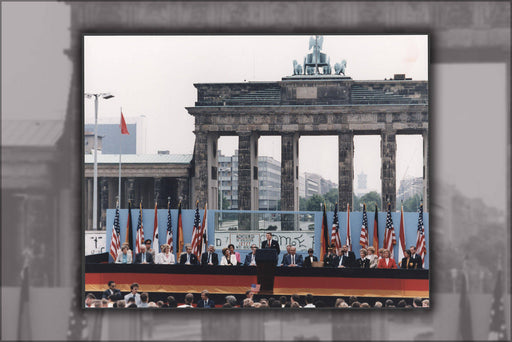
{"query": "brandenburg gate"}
(316, 101)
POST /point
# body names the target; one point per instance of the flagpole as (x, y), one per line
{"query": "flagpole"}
(120, 137)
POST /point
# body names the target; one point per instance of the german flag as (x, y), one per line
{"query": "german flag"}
(324, 242)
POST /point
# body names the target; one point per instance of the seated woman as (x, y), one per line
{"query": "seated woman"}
(372, 257)
(231, 248)
(407, 261)
(363, 262)
(166, 257)
(386, 261)
(125, 257)
(228, 259)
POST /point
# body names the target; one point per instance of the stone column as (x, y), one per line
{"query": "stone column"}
(131, 190)
(248, 197)
(157, 190)
(104, 201)
(182, 191)
(213, 173)
(89, 192)
(388, 169)
(289, 178)
(201, 176)
(346, 169)
(426, 190)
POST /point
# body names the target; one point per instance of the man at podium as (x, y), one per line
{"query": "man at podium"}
(270, 243)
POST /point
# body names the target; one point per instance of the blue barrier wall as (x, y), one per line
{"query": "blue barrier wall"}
(410, 224)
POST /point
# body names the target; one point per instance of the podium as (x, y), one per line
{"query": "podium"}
(266, 260)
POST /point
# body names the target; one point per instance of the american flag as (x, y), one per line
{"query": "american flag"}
(363, 239)
(156, 245)
(497, 326)
(169, 226)
(139, 241)
(115, 240)
(349, 239)
(196, 233)
(335, 234)
(421, 248)
(389, 234)
(255, 288)
(204, 231)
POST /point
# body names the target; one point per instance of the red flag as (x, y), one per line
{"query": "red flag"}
(376, 231)
(156, 246)
(124, 128)
(196, 233)
(401, 237)
(349, 239)
(363, 238)
(179, 238)
(324, 239)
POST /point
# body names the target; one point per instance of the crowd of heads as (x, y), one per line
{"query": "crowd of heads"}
(134, 299)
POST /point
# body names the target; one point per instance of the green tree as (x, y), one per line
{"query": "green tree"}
(313, 204)
(413, 203)
(303, 203)
(332, 196)
(371, 199)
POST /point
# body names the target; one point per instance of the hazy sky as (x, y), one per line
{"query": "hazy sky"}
(154, 76)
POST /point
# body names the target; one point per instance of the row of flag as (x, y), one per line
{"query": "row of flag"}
(199, 233)
(390, 239)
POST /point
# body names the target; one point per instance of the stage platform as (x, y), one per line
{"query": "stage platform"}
(174, 279)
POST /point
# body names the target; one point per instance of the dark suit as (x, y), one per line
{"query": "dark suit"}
(307, 261)
(193, 259)
(347, 261)
(364, 263)
(274, 244)
(417, 261)
(329, 260)
(248, 259)
(284, 256)
(149, 258)
(214, 258)
(108, 292)
(288, 260)
(209, 304)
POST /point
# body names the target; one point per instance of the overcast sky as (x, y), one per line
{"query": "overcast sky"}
(154, 76)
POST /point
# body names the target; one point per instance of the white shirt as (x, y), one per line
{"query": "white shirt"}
(137, 298)
(309, 306)
(253, 259)
(162, 258)
(224, 261)
(185, 306)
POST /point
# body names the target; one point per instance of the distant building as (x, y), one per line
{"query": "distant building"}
(314, 184)
(109, 130)
(269, 176)
(362, 183)
(410, 187)
(89, 142)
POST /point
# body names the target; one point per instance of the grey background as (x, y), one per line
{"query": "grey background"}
(41, 176)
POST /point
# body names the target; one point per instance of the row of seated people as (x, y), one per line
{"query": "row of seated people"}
(113, 298)
(341, 258)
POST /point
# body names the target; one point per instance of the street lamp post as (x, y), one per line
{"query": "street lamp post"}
(105, 96)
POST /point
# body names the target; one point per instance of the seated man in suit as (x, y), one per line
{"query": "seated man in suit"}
(111, 290)
(205, 301)
(287, 252)
(188, 258)
(250, 259)
(416, 258)
(308, 261)
(345, 258)
(293, 259)
(329, 257)
(144, 257)
(210, 257)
